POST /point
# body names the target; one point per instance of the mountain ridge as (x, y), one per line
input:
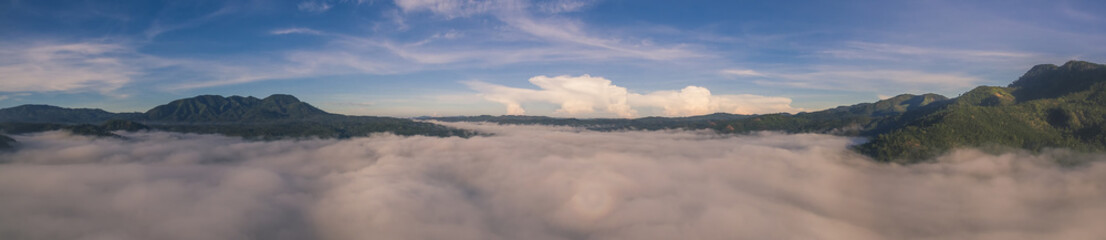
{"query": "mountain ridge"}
(54, 114)
(1051, 81)
(1049, 106)
(274, 117)
(234, 108)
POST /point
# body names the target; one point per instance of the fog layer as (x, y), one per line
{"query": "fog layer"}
(530, 182)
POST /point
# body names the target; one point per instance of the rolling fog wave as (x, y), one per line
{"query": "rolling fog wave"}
(535, 182)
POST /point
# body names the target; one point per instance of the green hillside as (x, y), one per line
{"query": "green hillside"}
(1050, 107)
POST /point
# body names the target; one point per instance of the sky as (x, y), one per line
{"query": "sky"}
(568, 58)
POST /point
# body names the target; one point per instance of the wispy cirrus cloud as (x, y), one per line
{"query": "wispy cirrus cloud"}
(546, 33)
(549, 30)
(206, 74)
(66, 67)
(449, 8)
(285, 31)
(314, 6)
(870, 80)
(562, 6)
(321, 6)
(160, 26)
(898, 52)
(741, 73)
(526, 37)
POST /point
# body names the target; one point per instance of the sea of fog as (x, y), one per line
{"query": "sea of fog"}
(535, 182)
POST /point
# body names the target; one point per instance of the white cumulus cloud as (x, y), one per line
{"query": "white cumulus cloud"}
(586, 94)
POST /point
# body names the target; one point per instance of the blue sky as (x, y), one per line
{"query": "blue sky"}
(615, 58)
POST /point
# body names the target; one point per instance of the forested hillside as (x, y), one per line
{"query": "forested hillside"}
(1049, 107)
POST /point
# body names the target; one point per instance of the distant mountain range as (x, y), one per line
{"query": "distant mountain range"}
(199, 109)
(276, 116)
(603, 124)
(865, 119)
(34, 113)
(1048, 107)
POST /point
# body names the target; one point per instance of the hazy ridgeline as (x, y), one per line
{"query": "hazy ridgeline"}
(535, 182)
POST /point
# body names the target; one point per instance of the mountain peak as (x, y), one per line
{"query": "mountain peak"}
(1049, 81)
(1076, 65)
(905, 102)
(1034, 72)
(281, 98)
(234, 108)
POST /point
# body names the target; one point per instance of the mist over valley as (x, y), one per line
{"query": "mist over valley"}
(552, 119)
(535, 182)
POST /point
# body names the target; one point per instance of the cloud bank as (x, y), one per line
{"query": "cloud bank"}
(533, 182)
(586, 95)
